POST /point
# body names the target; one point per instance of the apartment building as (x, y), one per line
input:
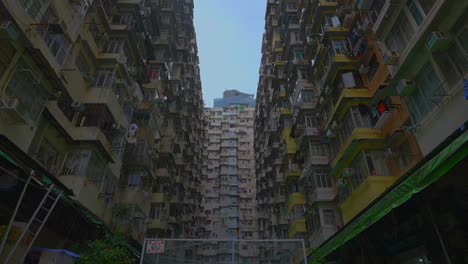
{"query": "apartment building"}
(175, 86)
(229, 186)
(355, 100)
(234, 97)
(102, 100)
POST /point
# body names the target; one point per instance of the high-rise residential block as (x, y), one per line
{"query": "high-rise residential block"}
(229, 185)
(102, 99)
(354, 97)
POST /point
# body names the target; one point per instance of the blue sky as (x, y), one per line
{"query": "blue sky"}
(229, 37)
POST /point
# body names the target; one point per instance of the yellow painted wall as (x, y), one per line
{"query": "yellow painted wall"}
(290, 142)
(298, 226)
(364, 194)
(295, 199)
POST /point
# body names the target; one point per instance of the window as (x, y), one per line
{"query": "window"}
(115, 46)
(166, 20)
(122, 19)
(303, 74)
(313, 222)
(298, 211)
(166, 4)
(339, 46)
(156, 211)
(293, 20)
(428, 86)
(316, 149)
(328, 216)
(135, 179)
(311, 121)
(454, 62)
(108, 187)
(292, 5)
(415, 11)
(419, 9)
(404, 154)
(48, 155)
(307, 96)
(298, 54)
(58, 45)
(400, 34)
(32, 7)
(373, 67)
(321, 179)
(81, 64)
(30, 100)
(104, 78)
(287, 122)
(374, 163)
(296, 36)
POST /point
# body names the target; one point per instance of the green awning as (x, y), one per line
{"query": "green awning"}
(398, 193)
(26, 164)
(5, 156)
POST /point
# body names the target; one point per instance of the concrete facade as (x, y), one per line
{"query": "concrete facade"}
(352, 95)
(229, 186)
(106, 96)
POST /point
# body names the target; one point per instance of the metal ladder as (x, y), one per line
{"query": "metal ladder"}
(39, 217)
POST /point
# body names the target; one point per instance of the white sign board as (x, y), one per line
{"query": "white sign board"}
(154, 246)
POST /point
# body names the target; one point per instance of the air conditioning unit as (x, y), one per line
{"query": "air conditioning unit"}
(391, 57)
(8, 30)
(405, 87)
(438, 41)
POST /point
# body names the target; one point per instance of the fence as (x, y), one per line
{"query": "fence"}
(229, 251)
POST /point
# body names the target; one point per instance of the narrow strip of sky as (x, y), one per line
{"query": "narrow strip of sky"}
(229, 38)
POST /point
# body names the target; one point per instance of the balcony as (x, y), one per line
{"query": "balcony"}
(280, 198)
(294, 173)
(80, 133)
(355, 133)
(80, 166)
(333, 63)
(295, 199)
(320, 233)
(139, 154)
(123, 22)
(371, 188)
(23, 98)
(113, 96)
(136, 187)
(332, 26)
(158, 198)
(167, 146)
(157, 224)
(289, 144)
(163, 173)
(347, 98)
(316, 10)
(297, 227)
